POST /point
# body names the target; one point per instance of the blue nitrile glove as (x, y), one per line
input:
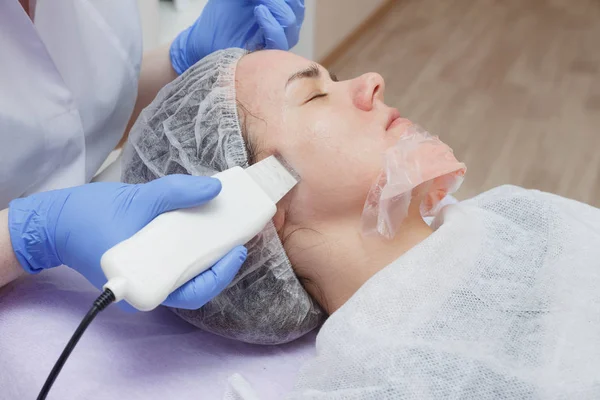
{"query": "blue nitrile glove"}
(249, 24)
(76, 226)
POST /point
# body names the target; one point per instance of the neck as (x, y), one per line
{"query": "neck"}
(335, 260)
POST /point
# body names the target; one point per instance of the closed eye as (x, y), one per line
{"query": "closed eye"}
(316, 97)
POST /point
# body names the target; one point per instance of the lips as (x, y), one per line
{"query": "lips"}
(394, 118)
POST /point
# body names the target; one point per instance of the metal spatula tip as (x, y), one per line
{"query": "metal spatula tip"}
(275, 176)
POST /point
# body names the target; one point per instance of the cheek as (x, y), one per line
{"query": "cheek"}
(337, 166)
(328, 195)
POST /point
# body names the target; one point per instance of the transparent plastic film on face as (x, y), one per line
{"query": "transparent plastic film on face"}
(418, 162)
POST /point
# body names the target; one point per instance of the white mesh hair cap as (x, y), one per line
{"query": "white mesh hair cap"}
(192, 127)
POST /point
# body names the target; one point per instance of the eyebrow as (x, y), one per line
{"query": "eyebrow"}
(312, 72)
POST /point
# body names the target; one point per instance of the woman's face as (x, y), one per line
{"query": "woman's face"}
(332, 133)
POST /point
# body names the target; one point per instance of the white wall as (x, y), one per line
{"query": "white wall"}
(306, 44)
(150, 20)
(174, 19)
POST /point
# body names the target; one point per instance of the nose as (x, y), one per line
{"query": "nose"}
(366, 89)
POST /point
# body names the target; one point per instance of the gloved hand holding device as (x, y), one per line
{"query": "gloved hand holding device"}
(76, 226)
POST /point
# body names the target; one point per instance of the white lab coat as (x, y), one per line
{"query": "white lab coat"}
(68, 84)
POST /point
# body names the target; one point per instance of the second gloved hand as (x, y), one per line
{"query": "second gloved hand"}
(76, 226)
(248, 24)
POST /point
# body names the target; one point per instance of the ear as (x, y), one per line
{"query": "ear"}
(279, 218)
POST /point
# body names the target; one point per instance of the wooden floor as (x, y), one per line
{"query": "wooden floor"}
(513, 86)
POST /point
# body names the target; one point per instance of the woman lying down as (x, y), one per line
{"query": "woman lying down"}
(498, 298)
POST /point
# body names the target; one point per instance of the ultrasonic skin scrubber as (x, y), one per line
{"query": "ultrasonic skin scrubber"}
(178, 245)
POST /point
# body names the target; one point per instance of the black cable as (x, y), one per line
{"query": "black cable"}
(103, 301)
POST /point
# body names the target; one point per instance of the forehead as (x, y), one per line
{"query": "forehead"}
(269, 62)
(266, 70)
